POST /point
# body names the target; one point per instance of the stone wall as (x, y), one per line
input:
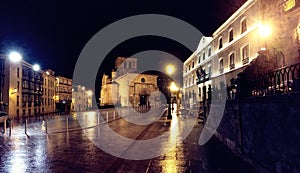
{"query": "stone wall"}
(265, 131)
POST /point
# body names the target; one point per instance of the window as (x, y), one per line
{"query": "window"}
(209, 51)
(231, 60)
(18, 102)
(129, 64)
(189, 81)
(289, 4)
(18, 85)
(245, 54)
(193, 64)
(199, 60)
(220, 43)
(203, 56)
(243, 26)
(230, 35)
(193, 79)
(194, 95)
(189, 67)
(221, 65)
(125, 64)
(18, 72)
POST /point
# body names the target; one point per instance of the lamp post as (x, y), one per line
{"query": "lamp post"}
(174, 90)
(170, 70)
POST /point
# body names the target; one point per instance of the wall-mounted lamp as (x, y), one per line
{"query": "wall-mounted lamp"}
(14, 91)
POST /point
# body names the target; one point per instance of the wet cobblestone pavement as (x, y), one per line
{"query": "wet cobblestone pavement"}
(74, 151)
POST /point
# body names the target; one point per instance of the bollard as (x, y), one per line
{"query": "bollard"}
(46, 125)
(106, 116)
(98, 117)
(4, 126)
(67, 124)
(25, 126)
(12, 122)
(10, 126)
(114, 115)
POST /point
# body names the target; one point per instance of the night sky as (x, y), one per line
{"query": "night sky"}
(53, 33)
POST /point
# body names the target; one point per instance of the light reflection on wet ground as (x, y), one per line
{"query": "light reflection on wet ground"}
(73, 151)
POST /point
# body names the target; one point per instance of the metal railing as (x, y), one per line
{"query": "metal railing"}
(281, 81)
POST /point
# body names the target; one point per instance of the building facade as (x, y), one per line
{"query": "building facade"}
(21, 88)
(81, 99)
(48, 98)
(257, 29)
(63, 94)
(136, 89)
(194, 66)
(127, 87)
(109, 93)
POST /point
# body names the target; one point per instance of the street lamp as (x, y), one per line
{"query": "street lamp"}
(36, 67)
(15, 57)
(170, 70)
(264, 30)
(174, 90)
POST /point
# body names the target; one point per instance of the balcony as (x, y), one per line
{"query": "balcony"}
(246, 60)
(203, 79)
(232, 66)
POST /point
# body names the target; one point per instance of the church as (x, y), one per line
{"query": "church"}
(128, 87)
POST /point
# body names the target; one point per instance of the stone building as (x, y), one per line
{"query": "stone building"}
(109, 94)
(48, 92)
(63, 96)
(127, 87)
(81, 99)
(200, 59)
(258, 29)
(21, 87)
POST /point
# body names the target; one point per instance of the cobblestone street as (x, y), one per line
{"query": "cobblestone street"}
(75, 150)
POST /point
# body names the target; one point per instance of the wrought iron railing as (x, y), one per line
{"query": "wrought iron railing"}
(280, 81)
(203, 78)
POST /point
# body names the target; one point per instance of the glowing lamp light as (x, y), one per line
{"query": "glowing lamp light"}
(173, 87)
(263, 48)
(264, 30)
(170, 69)
(15, 57)
(47, 73)
(14, 91)
(89, 93)
(36, 67)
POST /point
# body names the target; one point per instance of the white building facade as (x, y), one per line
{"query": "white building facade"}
(257, 27)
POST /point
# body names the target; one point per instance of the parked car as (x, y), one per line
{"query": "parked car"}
(3, 116)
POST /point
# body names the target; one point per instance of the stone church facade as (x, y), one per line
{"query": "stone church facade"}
(127, 87)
